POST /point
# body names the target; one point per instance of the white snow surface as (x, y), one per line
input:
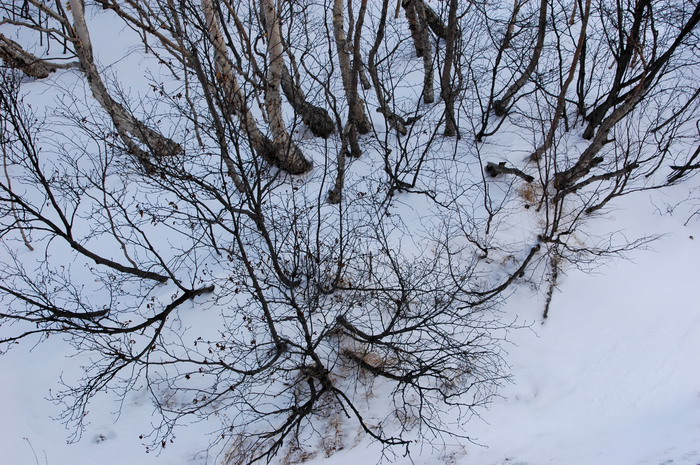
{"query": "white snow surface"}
(611, 378)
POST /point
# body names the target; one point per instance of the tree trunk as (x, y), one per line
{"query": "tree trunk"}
(434, 21)
(16, 57)
(124, 121)
(564, 181)
(447, 92)
(501, 106)
(628, 50)
(273, 101)
(315, 118)
(561, 99)
(648, 74)
(283, 157)
(428, 89)
(357, 115)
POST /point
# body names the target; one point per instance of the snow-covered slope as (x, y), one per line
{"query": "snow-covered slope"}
(611, 378)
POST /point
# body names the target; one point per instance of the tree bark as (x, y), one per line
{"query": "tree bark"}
(357, 115)
(434, 21)
(648, 74)
(561, 99)
(565, 180)
(428, 76)
(631, 42)
(315, 118)
(273, 100)
(124, 121)
(16, 57)
(447, 92)
(284, 158)
(501, 106)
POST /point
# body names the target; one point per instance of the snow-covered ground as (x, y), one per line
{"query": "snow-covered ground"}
(611, 378)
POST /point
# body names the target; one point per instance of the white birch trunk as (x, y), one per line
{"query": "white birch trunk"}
(126, 124)
(284, 155)
(357, 112)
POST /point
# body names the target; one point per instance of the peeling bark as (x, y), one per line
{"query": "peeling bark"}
(16, 57)
(124, 121)
(282, 157)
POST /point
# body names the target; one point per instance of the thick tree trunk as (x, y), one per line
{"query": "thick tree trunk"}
(283, 157)
(414, 25)
(125, 122)
(315, 118)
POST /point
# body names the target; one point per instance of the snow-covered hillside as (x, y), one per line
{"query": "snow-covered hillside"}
(612, 377)
(204, 281)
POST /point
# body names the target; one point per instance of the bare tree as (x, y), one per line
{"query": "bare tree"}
(501, 105)
(447, 89)
(260, 273)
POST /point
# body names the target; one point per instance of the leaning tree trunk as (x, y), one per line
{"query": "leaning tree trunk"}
(418, 24)
(127, 125)
(282, 157)
(650, 70)
(501, 106)
(628, 50)
(315, 118)
(357, 116)
(16, 57)
(561, 99)
(434, 21)
(565, 182)
(273, 101)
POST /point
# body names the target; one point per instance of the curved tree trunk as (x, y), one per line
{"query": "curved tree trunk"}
(501, 106)
(315, 118)
(125, 122)
(283, 157)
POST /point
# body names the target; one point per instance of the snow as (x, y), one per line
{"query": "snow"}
(611, 378)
